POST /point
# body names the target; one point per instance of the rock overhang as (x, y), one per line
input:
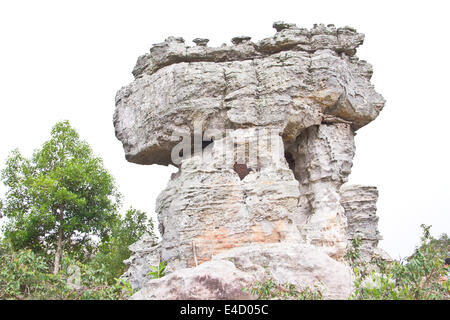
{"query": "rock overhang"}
(291, 81)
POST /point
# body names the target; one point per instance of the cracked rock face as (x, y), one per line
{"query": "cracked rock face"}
(209, 207)
(359, 203)
(322, 162)
(271, 125)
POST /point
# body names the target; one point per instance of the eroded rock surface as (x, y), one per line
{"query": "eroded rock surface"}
(359, 203)
(226, 274)
(209, 208)
(218, 280)
(263, 136)
(146, 253)
(322, 162)
(291, 81)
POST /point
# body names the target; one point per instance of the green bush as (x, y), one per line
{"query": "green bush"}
(419, 277)
(26, 276)
(269, 289)
(114, 249)
(86, 282)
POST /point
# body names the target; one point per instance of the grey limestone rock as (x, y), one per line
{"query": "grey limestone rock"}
(226, 274)
(271, 124)
(240, 39)
(284, 86)
(145, 253)
(201, 42)
(359, 203)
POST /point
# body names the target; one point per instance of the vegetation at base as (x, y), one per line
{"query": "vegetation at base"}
(64, 237)
(25, 275)
(422, 276)
(124, 232)
(418, 277)
(269, 289)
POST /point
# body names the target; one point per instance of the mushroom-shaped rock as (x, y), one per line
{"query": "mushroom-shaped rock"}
(240, 39)
(281, 25)
(262, 134)
(297, 86)
(202, 42)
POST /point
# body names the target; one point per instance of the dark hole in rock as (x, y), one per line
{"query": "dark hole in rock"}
(290, 160)
(206, 143)
(242, 170)
(162, 229)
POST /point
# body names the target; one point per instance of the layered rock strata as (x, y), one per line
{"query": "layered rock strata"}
(228, 273)
(359, 203)
(263, 137)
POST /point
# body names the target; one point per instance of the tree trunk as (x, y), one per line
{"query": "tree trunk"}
(59, 247)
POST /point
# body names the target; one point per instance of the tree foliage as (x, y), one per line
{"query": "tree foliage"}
(125, 231)
(61, 197)
(64, 237)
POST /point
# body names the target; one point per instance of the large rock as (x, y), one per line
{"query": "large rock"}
(211, 280)
(263, 137)
(228, 273)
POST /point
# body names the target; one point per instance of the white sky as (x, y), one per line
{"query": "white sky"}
(66, 60)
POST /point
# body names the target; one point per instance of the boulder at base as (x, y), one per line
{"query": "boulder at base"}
(228, 273)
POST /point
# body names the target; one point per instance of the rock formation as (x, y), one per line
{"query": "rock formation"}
(263, 137)
(359, 203)
(227, 273)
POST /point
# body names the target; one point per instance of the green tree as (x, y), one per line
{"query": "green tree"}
(60, 198)
(114, 249)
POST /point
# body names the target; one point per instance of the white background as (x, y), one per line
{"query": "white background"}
(66, 60)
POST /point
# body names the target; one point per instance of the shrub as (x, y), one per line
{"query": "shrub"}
(418, 277)
(269, 289)
(114, 249)
(26, 275)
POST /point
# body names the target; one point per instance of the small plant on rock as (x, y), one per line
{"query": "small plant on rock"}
(158, 271)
